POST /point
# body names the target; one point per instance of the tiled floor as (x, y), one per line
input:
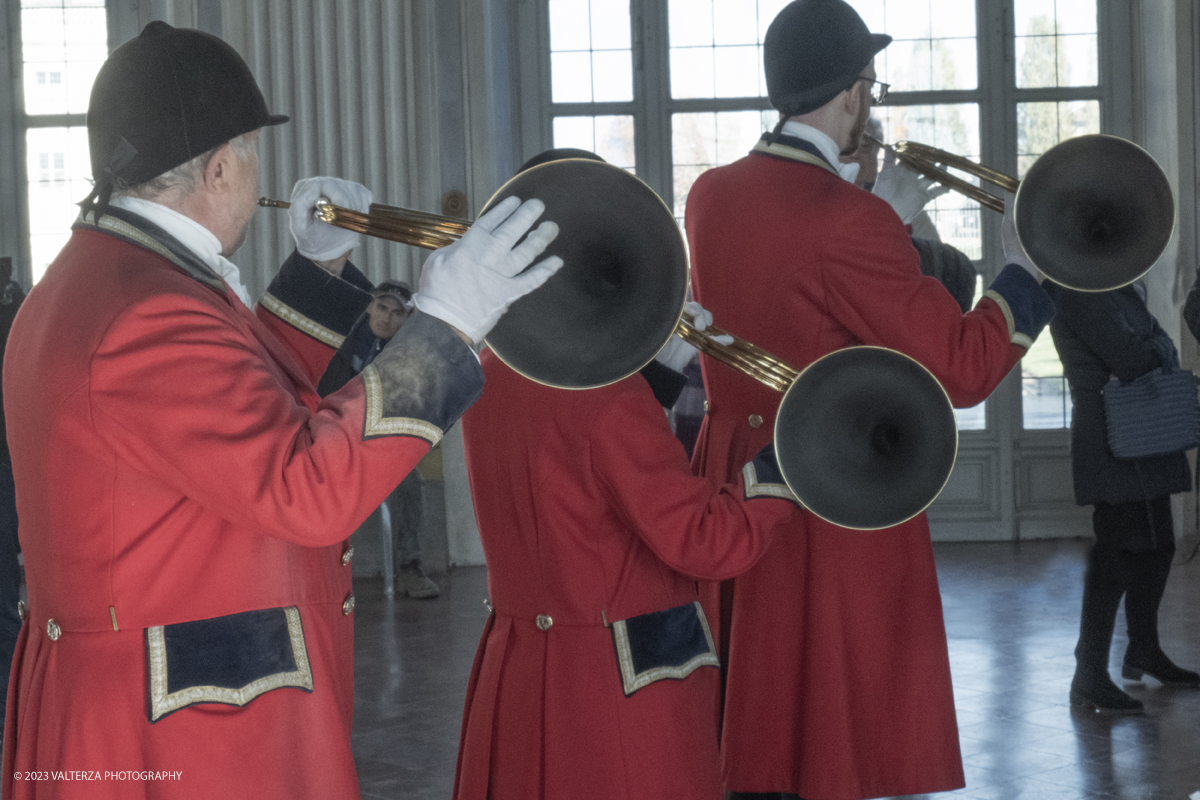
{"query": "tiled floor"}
(1012, 615)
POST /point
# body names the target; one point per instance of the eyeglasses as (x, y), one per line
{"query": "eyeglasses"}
(879, 89)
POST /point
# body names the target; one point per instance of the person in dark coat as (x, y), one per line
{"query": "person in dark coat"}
(1099, 335)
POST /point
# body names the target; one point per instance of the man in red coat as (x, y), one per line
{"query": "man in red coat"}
(838, 681)
(596, 674)
(185, 495)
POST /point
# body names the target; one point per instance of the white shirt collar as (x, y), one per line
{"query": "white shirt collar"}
(191, 234)
(824, 144)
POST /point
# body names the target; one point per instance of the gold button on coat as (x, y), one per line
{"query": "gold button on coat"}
(543, 622)
(52, 630)
(346, 556)
(755, 421)
(348, 605)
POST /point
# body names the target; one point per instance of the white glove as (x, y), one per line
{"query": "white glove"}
(905, 191)
(676, 353)
(320, 241)
(471, 283)
(1014, 253)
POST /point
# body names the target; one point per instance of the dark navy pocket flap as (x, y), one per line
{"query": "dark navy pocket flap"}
(663, 644)
(231, 659)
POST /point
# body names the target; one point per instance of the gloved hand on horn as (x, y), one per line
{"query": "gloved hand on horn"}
(905, 191)
(317, 240)
(471, 283)
(676, 353)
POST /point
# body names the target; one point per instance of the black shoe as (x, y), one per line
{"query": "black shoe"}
(1159, 667)
(1102, 695)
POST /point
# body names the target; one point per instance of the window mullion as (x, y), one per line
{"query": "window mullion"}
(592, 109)
(938, 97)
(55, 121)
(1115, 51)
(14, 202)
(1052, 94)
(652, 123)
(998, 120)
(537, 120)
(718, 104)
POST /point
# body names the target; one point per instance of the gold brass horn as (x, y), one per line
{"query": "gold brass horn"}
(403, 225)
(925, 160)
(1093, 213)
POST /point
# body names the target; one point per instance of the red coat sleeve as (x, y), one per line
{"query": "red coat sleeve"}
(229, 427)
(708, 533)
(873, 285)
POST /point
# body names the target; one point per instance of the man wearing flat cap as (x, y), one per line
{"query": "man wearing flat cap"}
(838, 680)
(185, 495)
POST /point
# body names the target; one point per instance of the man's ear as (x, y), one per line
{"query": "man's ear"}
(218, 173)
(852, 99)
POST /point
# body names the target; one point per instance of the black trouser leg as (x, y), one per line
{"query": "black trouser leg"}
(1119, 528)
(1149, 580)
(1103, 584)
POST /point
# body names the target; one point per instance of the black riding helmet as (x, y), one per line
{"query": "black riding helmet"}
(164, 98)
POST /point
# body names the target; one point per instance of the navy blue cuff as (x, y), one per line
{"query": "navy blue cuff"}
(1026, 306)
(666, 383)
(423, 381)
(315, 302)
(763, 478)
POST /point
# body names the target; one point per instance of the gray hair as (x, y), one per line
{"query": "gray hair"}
(187, 176)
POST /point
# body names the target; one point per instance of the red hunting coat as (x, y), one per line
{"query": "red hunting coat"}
(589, 515)
(838, 680)
(174, 464)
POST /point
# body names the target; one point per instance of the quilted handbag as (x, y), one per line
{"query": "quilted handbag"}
(1155, 414)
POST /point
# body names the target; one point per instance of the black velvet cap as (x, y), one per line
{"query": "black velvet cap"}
(813, 51)
(166, 97)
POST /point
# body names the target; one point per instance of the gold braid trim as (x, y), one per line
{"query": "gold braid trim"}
(378, 425)
(793, 154)
(124, 229)
(1014, 336)
(300, 322)
(756, 489)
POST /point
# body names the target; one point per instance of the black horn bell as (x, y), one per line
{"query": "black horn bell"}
(1095, 212)
(866, 438)
(620, 292)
